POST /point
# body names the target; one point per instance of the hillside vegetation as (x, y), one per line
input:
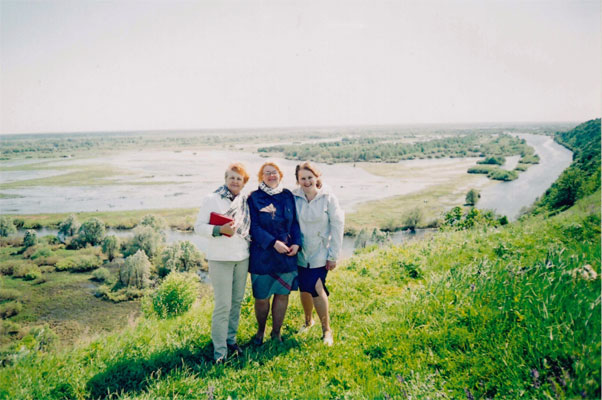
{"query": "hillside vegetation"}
(512, 312)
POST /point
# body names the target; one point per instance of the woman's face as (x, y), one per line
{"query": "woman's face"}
(234, 182)
(307, 180)
(271, 177)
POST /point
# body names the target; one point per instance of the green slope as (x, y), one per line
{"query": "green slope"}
(504, 313)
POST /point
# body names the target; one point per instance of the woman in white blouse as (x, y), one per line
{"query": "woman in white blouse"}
(321, 220)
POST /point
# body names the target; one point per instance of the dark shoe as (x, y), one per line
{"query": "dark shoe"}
(220, 361)
(257, 340)
(235, 349)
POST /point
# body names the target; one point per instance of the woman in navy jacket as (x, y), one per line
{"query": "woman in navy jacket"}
(275, 241)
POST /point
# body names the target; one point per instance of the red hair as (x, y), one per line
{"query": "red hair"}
(239, 169)
(271, 164)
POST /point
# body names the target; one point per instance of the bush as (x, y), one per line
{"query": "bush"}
(92, 231)
(13, 241)
(78, 263)
(68, 227)
(156, 222)
(181, 256)
(503, 175)
(9, 294)
(413, 218)
(10, 309)
(43, 252)
(176, 295)
(40, 338)
(495, 160)
(472, 197)
(7, 227)
(9, 267)
(52, 260)
(8, 327)
(27, 271)
(110, 246)
(30, 238)
(33, 274)
(102, 275)
(146, 239)
(482, 169)
(135, 271)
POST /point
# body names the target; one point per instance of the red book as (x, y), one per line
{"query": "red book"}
(219, 219)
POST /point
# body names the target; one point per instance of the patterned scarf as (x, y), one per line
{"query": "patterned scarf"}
(238, 211)
(269, 190)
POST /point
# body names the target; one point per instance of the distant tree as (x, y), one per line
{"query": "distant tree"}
(156, 222)
(69, 226)
(472, 197)
(453, 217)
(413, 218)
(7, 227)
(110, 246)
(146, 239)
(181, 257)
(92, 231)
(135, 271)
(362, 239)
(566, 190)
(30, 238)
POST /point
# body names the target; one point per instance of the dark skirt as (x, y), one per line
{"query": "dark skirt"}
(265, 286)
(308, 278)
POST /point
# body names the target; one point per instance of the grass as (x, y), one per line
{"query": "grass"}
(485, 313)
(84, 176)
(178, 218)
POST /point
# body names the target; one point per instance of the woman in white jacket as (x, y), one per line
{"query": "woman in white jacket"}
(321, 220)
(227, 250)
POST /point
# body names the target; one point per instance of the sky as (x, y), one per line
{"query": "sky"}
(80, 66)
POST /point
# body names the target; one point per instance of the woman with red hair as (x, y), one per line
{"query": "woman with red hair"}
(273, 251)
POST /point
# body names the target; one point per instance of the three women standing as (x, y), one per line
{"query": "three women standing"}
(321, 220)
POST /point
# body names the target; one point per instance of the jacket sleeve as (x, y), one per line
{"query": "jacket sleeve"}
(336, 219)
(258, 234)
(202, 226)
(295, 228)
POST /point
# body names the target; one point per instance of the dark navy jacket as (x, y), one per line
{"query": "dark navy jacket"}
(267, 227)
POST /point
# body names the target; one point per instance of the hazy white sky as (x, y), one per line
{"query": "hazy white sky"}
(132, 65)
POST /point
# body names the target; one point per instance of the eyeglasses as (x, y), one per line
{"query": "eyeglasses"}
(268, 173)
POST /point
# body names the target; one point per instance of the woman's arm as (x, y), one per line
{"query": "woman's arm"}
(336, 219)
(202, 226)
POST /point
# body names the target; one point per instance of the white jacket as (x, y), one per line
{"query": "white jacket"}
(321, 222)
(220, 248)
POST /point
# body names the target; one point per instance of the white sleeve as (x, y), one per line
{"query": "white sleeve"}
(202, 226)
(336, 218)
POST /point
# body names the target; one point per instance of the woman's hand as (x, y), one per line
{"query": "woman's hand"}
(281, 247)
(294, 249)
(227, 229)
(330, 265)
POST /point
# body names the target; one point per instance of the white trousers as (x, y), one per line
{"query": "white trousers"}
(229, 279)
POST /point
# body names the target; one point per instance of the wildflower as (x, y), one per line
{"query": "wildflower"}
(535, 376)
(469, 395)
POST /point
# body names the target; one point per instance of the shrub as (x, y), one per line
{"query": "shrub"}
(481, 169)
(181, 256)
(9, 267)
(52, 260)
(10, 309)
(110, 246)
(146, 239)
(135, 271)
(78, 263)
(472, 197)
(27, 271)
(8, 327)
(43, 252)
(30, 238)
(413, 218)
(101, 274)
(502, 175)
(9, 294)
(13, 241)
(7, 227)
(176, 295)
(32, 274)
(92, 231)
(495, 160)
(156, 222)
(40, 338)
(68, 227)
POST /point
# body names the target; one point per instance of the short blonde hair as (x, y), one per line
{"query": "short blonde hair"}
(271, 164)
(311, 168)
(240, 169)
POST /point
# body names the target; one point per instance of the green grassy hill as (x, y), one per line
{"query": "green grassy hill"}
(512, 312)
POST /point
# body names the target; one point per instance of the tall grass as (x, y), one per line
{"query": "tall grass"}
(485, 313)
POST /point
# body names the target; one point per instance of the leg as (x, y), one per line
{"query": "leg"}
(279, 305)
(220, 274)
(238, 292)
(308, 307)
(321, 304)
(262, 309)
